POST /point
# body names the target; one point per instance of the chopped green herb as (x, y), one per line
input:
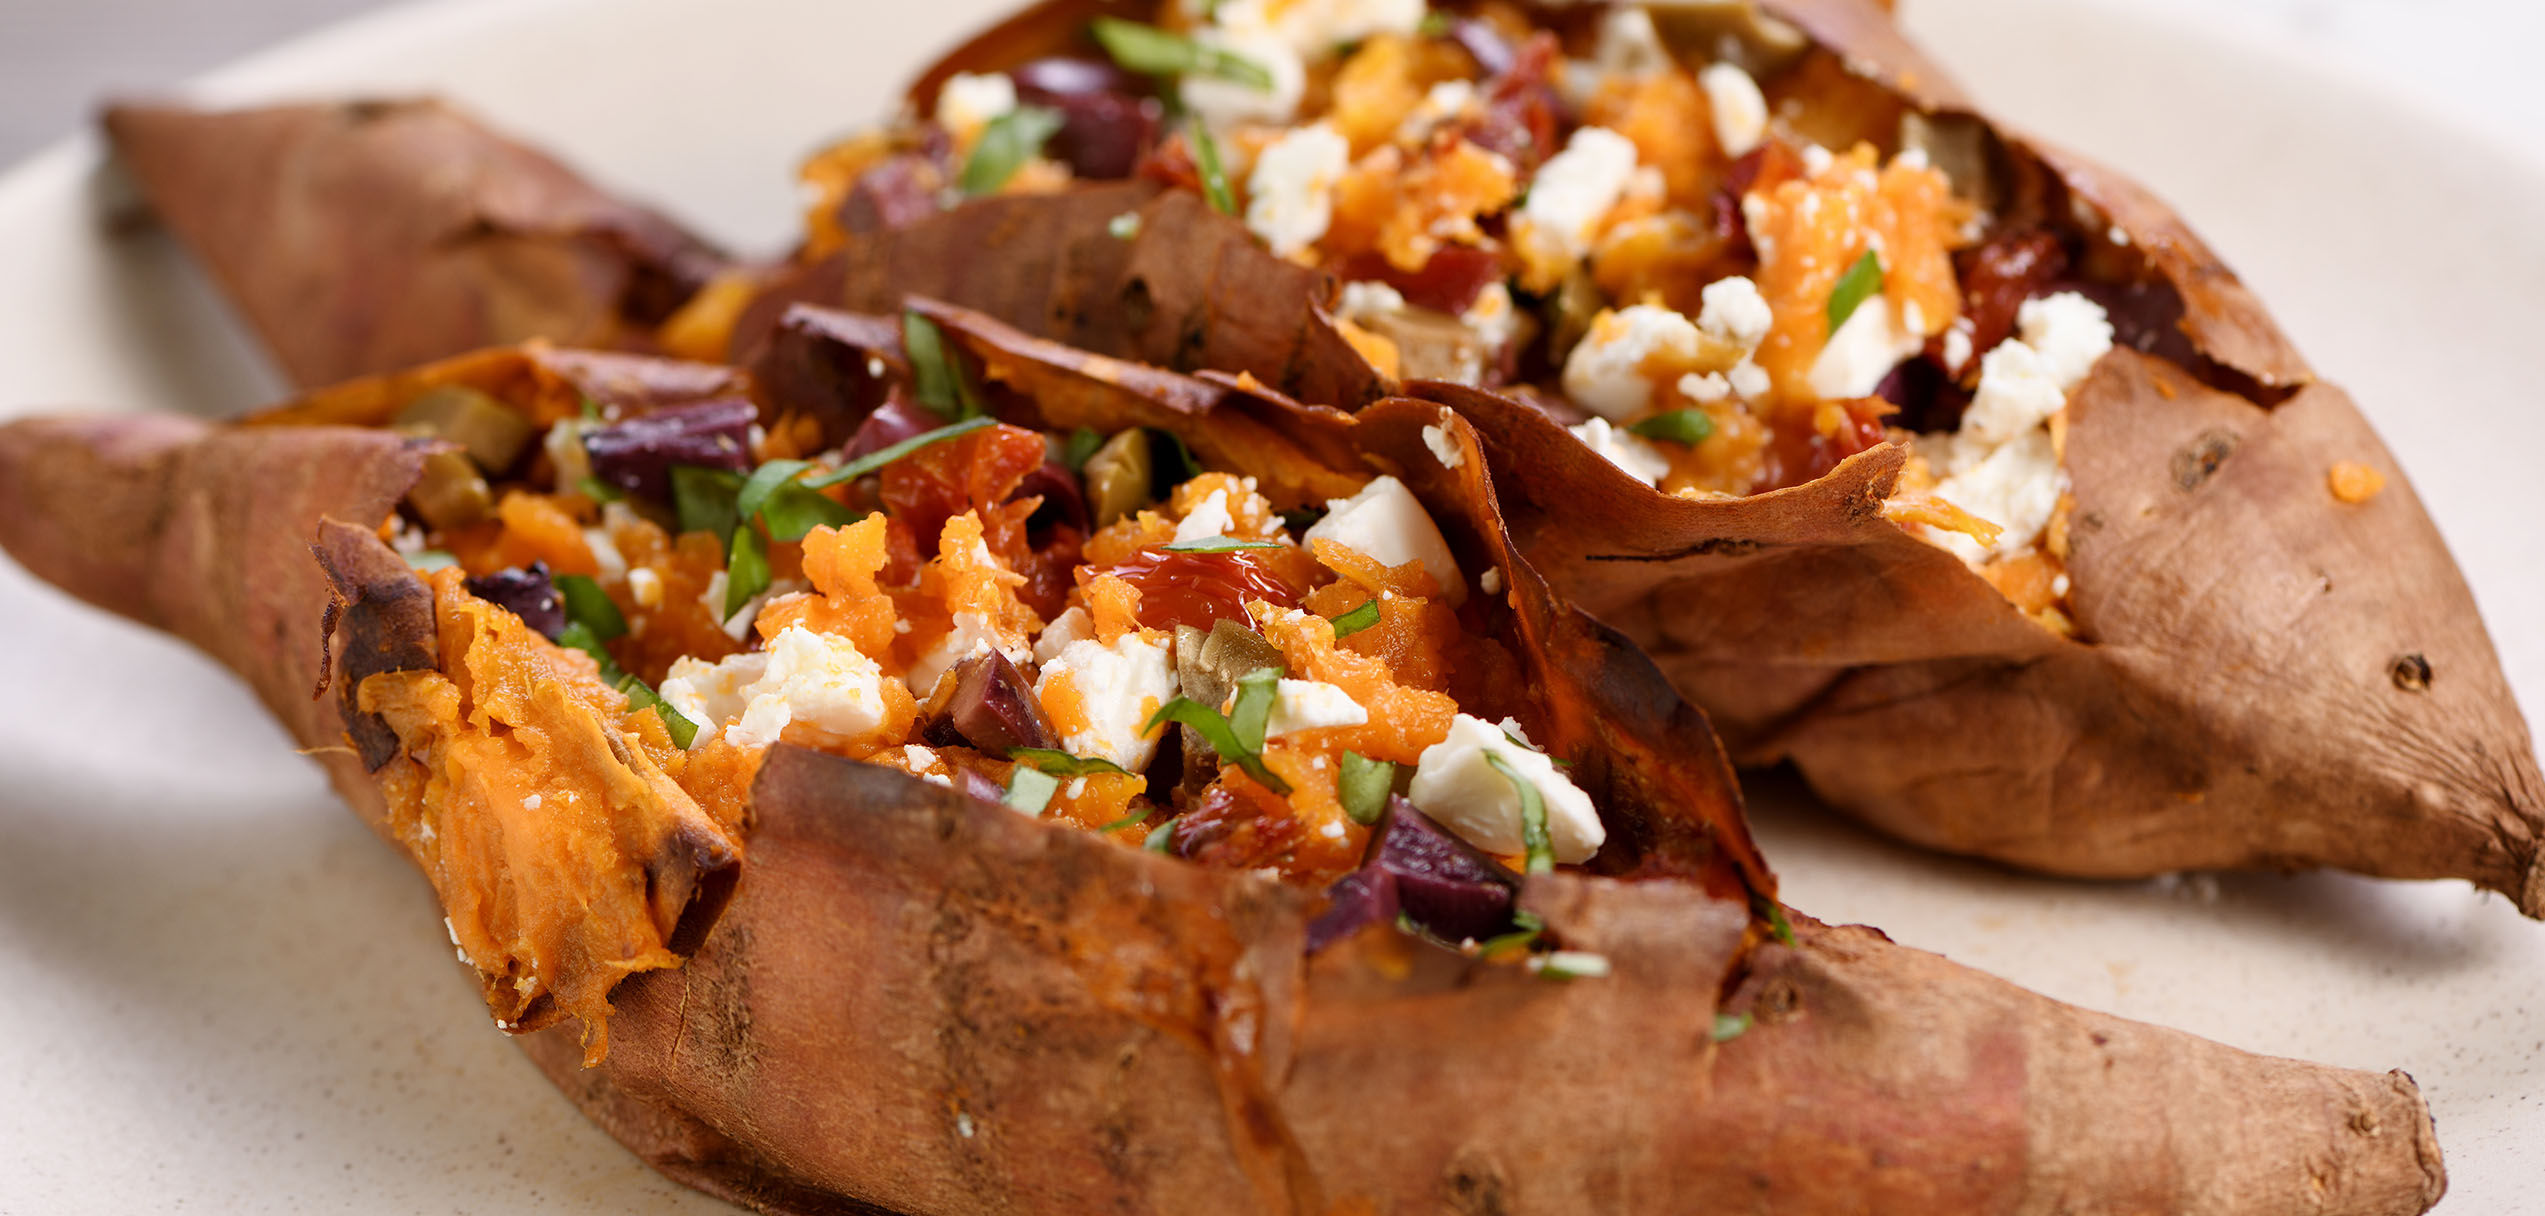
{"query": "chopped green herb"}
(1300, 519)
(1859, 284)
(1251, 709)
(1131, 820)
(937, 378)
(874, 462)
(1364, 786)
(1218, 544)
(703, 499)
(1677, 426)
(1435, 24)
(1514, 736)
(764, 482)
(591, 410)
(1242, 747)
(1358, 619)
(1521, 938)
(1010, 140)
(1030, 789)
(1060, 763)
(1185, 467)
(589, 606)
(1533, 835)
(1730, 1026)
(1125, 226)
(1570, 965)
(1774, 913)
(1161, 838)
(683, 731)
(1151, 51)
(599, 491)
(427, 561)
(1083, 443)
(579, 636)
(1214, 177)
(746, 570)
(788, 508)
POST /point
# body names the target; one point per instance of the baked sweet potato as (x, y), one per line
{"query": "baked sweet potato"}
(2225, 649)
(886, 993)
(369, 236)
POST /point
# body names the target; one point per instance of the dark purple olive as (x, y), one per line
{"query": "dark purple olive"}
(1357, 900)
(528, 593)
(1445, 884)
(898, 192)
(993, 709)
(1063, 501)
(637, 455)
(831, 366)
(1042, 80)
(1107, 124)
(898, 418)
(975, 783)
(1927, 397)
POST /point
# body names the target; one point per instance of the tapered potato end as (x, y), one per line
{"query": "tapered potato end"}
(364, 237)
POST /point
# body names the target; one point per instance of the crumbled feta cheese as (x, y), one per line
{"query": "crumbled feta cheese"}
(1623, 448)
(1577, 188)
(969, 101)
(2016, 486)
(1290, 195)
(1735, 312)
(738, 624)
(1605, 373)
(1704, 388)
(530, 802)
(605, 553)
(818, 679)
(1629, 45)
(1120, 686)
(1068, 627)
(646, 586)
(1445, 103)
(1492, 318)
(1490, 582)
(1223, 104)
(1385, 523)
(1957, 346)
(2070, 333)
(1444, 446)
(564, 445)
(1317, 28)
(1369, 299)
(972, 634)
(1208, 518)
(1311, 705)
(1740, 110)
(1750, 380)
(1816, 160)
(2016, 394)
(1457, 785)
(1862, 352)
(919, 759)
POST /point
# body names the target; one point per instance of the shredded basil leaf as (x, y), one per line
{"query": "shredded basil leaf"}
(1214, 177)
(1774, 913)
(1030, 789)
(1217, 544)
(1062, 764)
(764, 482)
(589, 606)
(1435, 24)
(1859, 284)
(703, 499)
(1251, 710)
(1521, 938)
(1533, 836)
(426, 561)
(1364, 787)
(1010, 140)
(1151, 51)
(1677, 426)
(579, 635)
(1730, 1026)
(1185, 467)
(599, 491)
(1083, 443)
(591, 410)
(1514, 736)
(937, 379)
(1570, 965)
(683, 731)
(746, 571)
(1222, 734)
(1131, 820)
(1161, 838)
(1358, 619)
(1125, 226)
(874, 462)
(789, 509)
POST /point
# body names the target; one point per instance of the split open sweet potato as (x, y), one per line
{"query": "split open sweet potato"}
(897, 996)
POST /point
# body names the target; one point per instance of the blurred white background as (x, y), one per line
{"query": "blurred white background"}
(2473, 59)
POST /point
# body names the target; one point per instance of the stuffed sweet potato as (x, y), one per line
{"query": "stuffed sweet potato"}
(1434, 897)
(1937, 461)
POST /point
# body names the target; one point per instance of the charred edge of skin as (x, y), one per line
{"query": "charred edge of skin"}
(384, 614)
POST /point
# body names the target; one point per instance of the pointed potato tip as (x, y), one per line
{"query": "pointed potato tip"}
(73, 494)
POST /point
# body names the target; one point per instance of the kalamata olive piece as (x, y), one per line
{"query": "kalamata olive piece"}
(527, 592)
(1107, 124)
(492, 433)
(637, 455)
(1039, 81)
(898, 418)
(1445, 884)
(1063, 501)
(994, 710)
(1118, 476)
(1356, 901)
(449, 492)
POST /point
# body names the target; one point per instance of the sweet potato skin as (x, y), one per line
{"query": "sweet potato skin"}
(367, 236)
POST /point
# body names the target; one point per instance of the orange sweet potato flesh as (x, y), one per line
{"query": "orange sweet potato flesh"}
(368, 236)
(2263, 676)
(916, 1002)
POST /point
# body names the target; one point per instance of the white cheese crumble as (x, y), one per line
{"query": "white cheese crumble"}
(1446, 102)
(1492, 318)
(968, 102)
(1223, 104)
(1456, 783)
(1629, 45)
(1209, 518)
(1121, 686)
(1630, 452)
(646, 586)
(1368, 300)
(1490, 582)
(972, 634)
(2070, 333)
(2016, 394)
(1862, 352)
(1605, 373)
(1735, 312)
(1577, 188)
(605, 552)
(1444, 447)
(1290, 195)
(1957, 346)
(2015, 486)
(818, 679)
(1385, 523)
(1311, 705)
(1068, 627)
(1740, 110)
(564, 445)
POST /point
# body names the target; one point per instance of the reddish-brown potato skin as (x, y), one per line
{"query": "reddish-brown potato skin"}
(365, 237)
(2245, 687)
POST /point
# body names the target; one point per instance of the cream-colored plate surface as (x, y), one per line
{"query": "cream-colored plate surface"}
(225, 994)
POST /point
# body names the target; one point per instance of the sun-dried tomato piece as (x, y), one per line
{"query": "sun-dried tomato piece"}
(1199, 588)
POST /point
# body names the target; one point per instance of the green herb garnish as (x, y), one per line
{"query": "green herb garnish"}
(426, 561)
(1364, 787)
(1238, 735)
(1300, 519)
(582, 634)
(1151, 51)
(1774, 913)
(1010, 140)
(1131, 820)
(589, 606)
(788, 508)
(1062, 764)
(1251, 709)
(874, 462)
(1552, 758)
(1521, 938)
(599, 491)
(1730, 1026)
(1533, 836)
(1161, 838)
(1083, 443)
(746, 569)
(591, 410)
(1435, 24)
(1214, 177)
(1217, 544)
(683, 731)
(936, 378)
(1859, 284)
(1186, 468)
(1570, 965)
(703, 499)
(1030, 789)
(1677, 426)
(1358, 619)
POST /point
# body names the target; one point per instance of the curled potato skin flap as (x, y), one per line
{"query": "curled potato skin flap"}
(362, 237)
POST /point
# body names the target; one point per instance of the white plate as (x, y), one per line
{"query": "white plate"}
(225, 993)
